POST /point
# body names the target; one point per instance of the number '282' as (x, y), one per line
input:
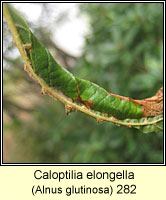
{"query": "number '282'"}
(126, 189)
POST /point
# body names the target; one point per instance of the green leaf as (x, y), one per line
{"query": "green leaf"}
(75, 93)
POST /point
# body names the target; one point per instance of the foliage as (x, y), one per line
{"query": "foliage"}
(128, 51)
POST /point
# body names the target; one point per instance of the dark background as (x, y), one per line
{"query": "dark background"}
(123, 53)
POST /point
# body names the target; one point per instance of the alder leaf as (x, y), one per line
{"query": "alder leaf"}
(76, 93)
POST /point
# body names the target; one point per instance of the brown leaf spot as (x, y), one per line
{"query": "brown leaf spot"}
(153, 106)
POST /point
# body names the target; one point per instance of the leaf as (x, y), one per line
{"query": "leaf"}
(75, 93)
(147, 124)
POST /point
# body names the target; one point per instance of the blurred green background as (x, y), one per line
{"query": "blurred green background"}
(123, 53)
